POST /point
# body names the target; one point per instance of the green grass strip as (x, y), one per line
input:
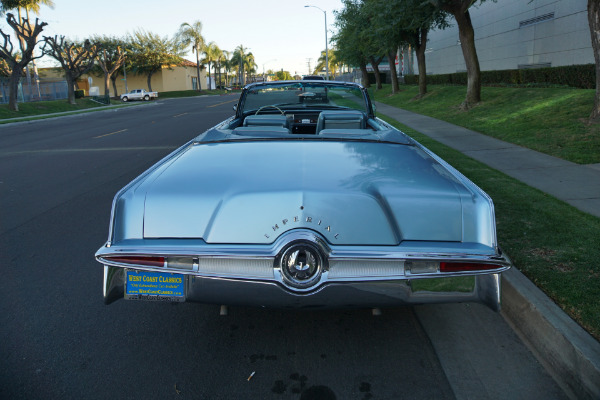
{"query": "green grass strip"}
(49, 107)
(37, 108)
(550, 120)
(555, 245)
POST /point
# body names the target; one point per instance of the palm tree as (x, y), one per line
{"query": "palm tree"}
(211, 52)
(223, 62)
(240, 59)
(244, 62)
(192, 35)
(333, 62)
(250, 65)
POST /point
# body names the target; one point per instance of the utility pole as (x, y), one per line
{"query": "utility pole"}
(326, 46)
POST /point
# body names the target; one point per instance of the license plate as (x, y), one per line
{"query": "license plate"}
(145, 285)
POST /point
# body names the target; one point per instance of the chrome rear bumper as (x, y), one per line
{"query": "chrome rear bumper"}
(483, 288)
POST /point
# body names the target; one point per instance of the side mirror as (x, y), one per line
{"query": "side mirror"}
(235, 107)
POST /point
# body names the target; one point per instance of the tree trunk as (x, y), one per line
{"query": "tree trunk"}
(420, 50)
(209, 82)
(466, 35)
(22, 42)
(36, 78)
(392, 61)
(113, 78)
(70, 87)
(199, 88)
(593, 8)
(365, 74)
(150, 81)
(106, 84)
(13, 88)
(375, 65)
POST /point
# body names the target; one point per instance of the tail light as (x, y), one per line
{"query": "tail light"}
(466, 267)
(433, 267)
(145, 261)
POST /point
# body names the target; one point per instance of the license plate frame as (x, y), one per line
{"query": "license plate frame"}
(154, 286)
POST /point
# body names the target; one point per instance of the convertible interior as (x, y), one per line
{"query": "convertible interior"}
(313, 123)
(300, 110)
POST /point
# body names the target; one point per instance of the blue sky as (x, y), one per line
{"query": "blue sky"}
(281, 30)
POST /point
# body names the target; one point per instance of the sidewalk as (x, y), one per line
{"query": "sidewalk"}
(566, 350)
(578, 185)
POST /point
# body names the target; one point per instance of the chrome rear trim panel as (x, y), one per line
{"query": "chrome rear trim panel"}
(483, 289)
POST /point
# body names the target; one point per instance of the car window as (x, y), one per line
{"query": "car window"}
(294, 95)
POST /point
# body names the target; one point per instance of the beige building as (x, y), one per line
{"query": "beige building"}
(182, 77)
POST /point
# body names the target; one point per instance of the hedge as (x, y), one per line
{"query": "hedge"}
(579, 76)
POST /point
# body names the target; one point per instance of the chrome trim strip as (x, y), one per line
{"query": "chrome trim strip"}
(271, 253)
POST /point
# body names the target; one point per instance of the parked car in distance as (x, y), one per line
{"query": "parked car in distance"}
(303, 204)
(139, 94)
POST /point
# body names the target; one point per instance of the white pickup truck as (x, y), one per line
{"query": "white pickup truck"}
(139, 94)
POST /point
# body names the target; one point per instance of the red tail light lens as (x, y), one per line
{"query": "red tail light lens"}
(466, 267)
(138, 260)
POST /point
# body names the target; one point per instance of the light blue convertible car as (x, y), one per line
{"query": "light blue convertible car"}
(303, 198)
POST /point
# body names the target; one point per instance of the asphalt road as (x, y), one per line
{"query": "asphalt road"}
(59, 341)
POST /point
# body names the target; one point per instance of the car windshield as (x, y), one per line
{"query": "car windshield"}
(304, 94)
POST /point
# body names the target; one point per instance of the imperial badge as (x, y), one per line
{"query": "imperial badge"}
(301, 265)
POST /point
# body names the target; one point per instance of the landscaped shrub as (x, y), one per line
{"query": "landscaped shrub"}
(79, 94)
(579, 76)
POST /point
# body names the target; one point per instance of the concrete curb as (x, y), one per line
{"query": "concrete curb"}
(566, 350)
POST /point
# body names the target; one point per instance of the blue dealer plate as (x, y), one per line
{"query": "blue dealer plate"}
(144, 285)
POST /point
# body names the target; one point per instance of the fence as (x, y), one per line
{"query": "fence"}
(27, 93)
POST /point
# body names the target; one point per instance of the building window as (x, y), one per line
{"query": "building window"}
(536, 20)
(194, 83)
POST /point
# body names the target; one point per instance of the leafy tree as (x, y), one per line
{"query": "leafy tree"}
(75, 58)
(27, 38)
(23, 7)
(466, 34)
(283, 76)
(350, 48)
(110, 58)
(383, 37)
(4, 68)
(191, 35)
(151, 53)
(408, 22)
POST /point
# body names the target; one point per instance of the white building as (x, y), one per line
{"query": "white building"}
(511, 34)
